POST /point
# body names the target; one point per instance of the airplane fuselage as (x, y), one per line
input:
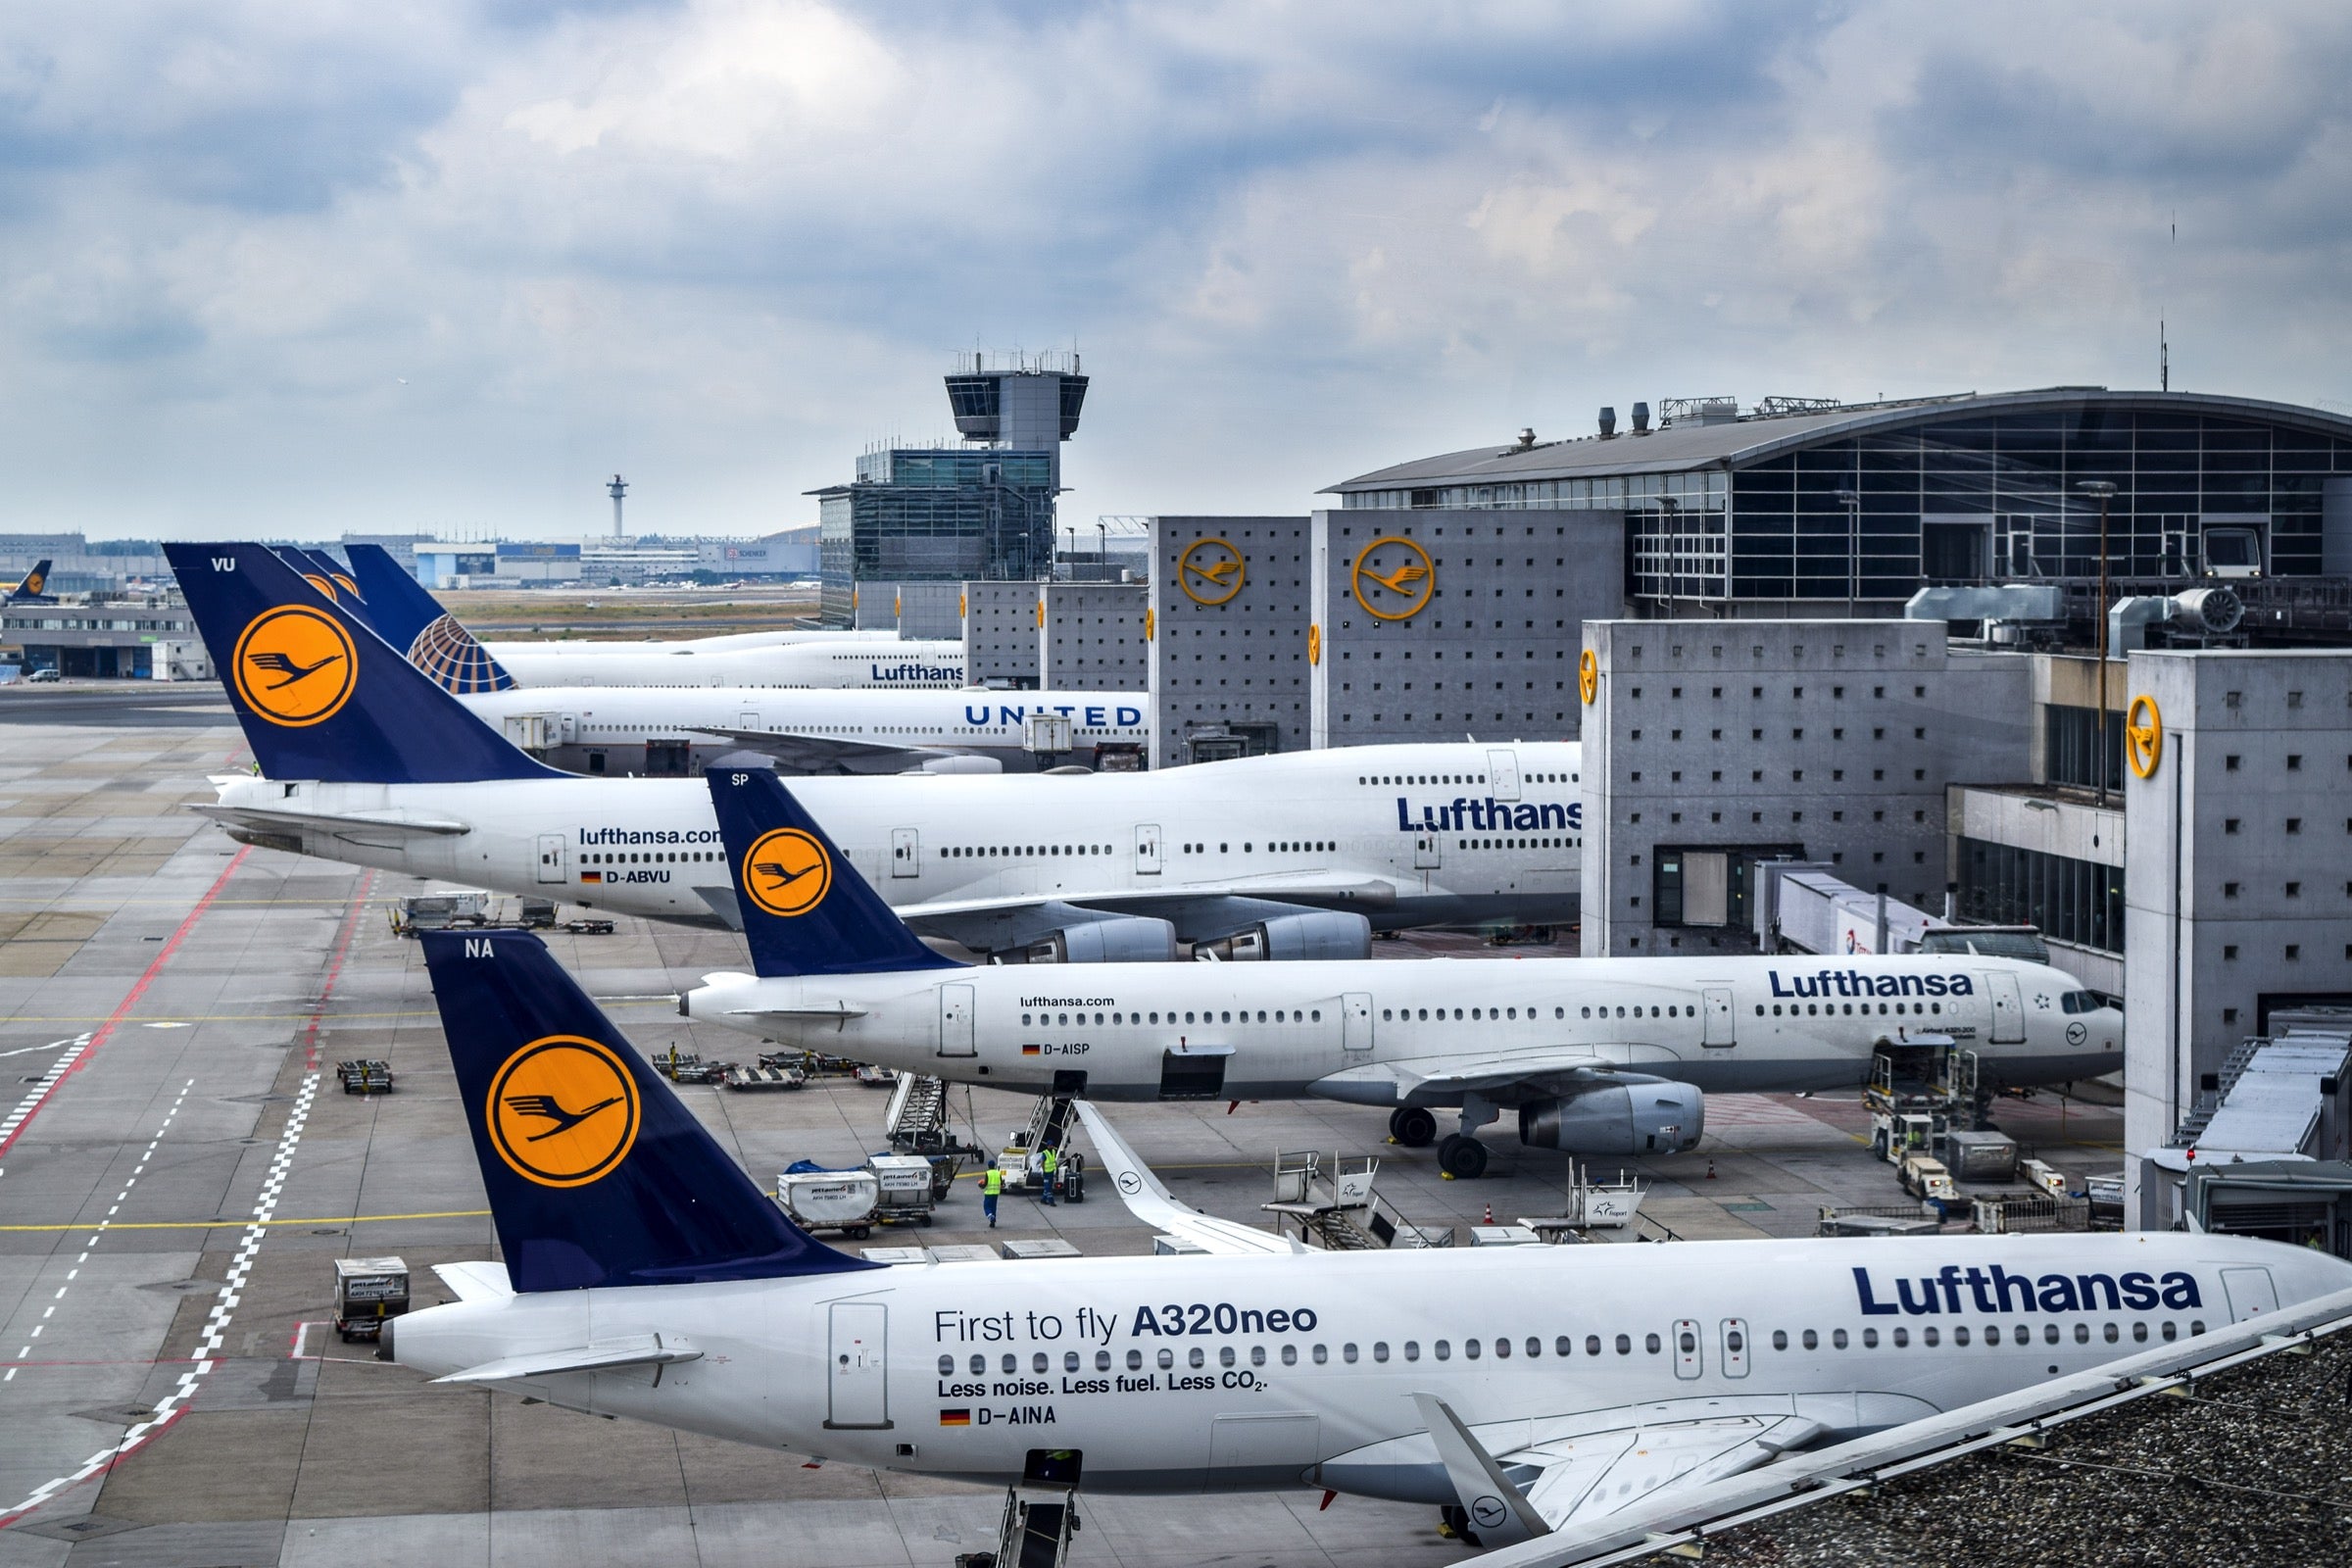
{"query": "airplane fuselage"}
(892, 666)
(1408, 835)
(1364, 1031)
(1263, 1372)
(606, 729)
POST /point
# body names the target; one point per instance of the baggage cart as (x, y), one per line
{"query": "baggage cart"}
(749, 1078)
(589, 928)
(538, 914)
(904, 1189)
(367, 1076)
(844, 1200)
(368, 1292)
(870, 1076)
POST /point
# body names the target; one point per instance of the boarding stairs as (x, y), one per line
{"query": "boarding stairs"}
(916, 1122)
(2202, 1109)
(1342, 1211)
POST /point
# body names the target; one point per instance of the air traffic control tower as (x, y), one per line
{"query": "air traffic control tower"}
(983, 511)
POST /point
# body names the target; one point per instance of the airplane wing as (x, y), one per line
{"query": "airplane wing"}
(1543, 1072)
(799, 752)
(1149, 1200)
(267, 818)
(1612, 1460)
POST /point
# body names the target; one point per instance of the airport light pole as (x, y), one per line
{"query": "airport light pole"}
(2104, 489)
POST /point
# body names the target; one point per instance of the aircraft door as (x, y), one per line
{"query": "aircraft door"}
(551, 866)
(1735, 1346)
(2008, 1009)
(1355, 1021)
(2250, 1293)
(955, 1021)
(570, 727)
(1427, 856)
(1502, 775)
(1689, 1358)
(1147, 849)
(1720, 1028)
(906, 852)
(857, 1377)
(1277, 1445)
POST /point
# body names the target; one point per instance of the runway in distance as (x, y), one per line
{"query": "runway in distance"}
(1591, 1055)
(365, 760)
(410, 619)
(644, 1276)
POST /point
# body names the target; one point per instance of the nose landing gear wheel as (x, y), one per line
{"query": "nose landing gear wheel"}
(1412, 1126)
(1462, 1159)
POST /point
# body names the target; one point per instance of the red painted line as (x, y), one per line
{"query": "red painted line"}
(105, 1031)
(334, 971)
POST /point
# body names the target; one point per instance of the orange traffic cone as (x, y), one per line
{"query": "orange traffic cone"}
(1710, 1170)
(1490, 1213)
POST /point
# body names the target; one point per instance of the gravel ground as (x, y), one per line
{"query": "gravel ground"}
(2254, 1468)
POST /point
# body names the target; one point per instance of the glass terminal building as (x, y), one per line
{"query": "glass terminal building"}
(981, 513)
(1806, 508)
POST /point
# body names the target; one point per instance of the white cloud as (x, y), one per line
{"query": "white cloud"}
(726, 244)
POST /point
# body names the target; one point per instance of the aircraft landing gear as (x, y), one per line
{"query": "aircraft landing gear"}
(1462, 1159)
(1412, 1126)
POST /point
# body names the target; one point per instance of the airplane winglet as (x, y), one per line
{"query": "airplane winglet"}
(1150, 1200)
(1498, 1511)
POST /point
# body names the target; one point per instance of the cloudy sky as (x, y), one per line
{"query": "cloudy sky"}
(297, 269)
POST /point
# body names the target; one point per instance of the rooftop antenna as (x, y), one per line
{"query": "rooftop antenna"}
(2164, 346)
(617, 488)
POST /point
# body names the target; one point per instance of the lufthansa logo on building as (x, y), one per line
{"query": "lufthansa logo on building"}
(1314, 644)
(294, 665)
(564, 1111)
(1400, 576)
(1588, 676)
(1151, 622)
(787, 872)
(1211, 572)
(2143, 736)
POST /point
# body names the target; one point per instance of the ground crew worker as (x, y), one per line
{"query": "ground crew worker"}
(1050, 1162)
(992, 1187)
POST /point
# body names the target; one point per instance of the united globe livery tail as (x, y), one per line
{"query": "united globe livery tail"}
(597, 1175)
(321, 696)
(806, 910)
(414, 621)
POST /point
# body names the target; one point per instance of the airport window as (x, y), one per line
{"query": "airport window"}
(2229, 824)
(2080, 901)
(2295, 824)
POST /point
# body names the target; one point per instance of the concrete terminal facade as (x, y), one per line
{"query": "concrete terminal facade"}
(999, 633)
(1227, 618)
(1091, 637)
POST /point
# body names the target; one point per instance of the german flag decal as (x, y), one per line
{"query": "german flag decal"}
(955, 1418)
(592, 876)
(1033, 1051)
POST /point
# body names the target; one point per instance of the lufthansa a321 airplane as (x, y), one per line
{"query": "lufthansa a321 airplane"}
(1594, 1055)
(644, 1276)
(365, 760)
(412, 620)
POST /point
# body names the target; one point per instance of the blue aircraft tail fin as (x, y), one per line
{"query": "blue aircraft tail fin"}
(806, 910)
(330, 581)
(35, 583)
(597, 1175)
(412, 620)
(321, 696)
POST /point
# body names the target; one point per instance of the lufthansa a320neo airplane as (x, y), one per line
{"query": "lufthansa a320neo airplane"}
(414, 621)
(1593, 1055)
(364, 759)
(644, 1276)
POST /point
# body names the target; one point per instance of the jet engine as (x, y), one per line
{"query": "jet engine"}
(1121, 939)
(1635, 1115)
(1308, 934)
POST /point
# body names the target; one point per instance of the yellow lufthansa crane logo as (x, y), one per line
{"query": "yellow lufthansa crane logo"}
(34, 582)
(327, 589)
(1588, 676)
(1314, 644)
(1211, 572)
(1151, 622)
(564, 1111)
(1401, 572)
(2143, 736)
(787, 872)
(295, 666)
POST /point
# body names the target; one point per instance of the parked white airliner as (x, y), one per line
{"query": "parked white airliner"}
(613, 729)
(644, 1276)
(1594, 1055)
(366, 759)
(410, 619)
